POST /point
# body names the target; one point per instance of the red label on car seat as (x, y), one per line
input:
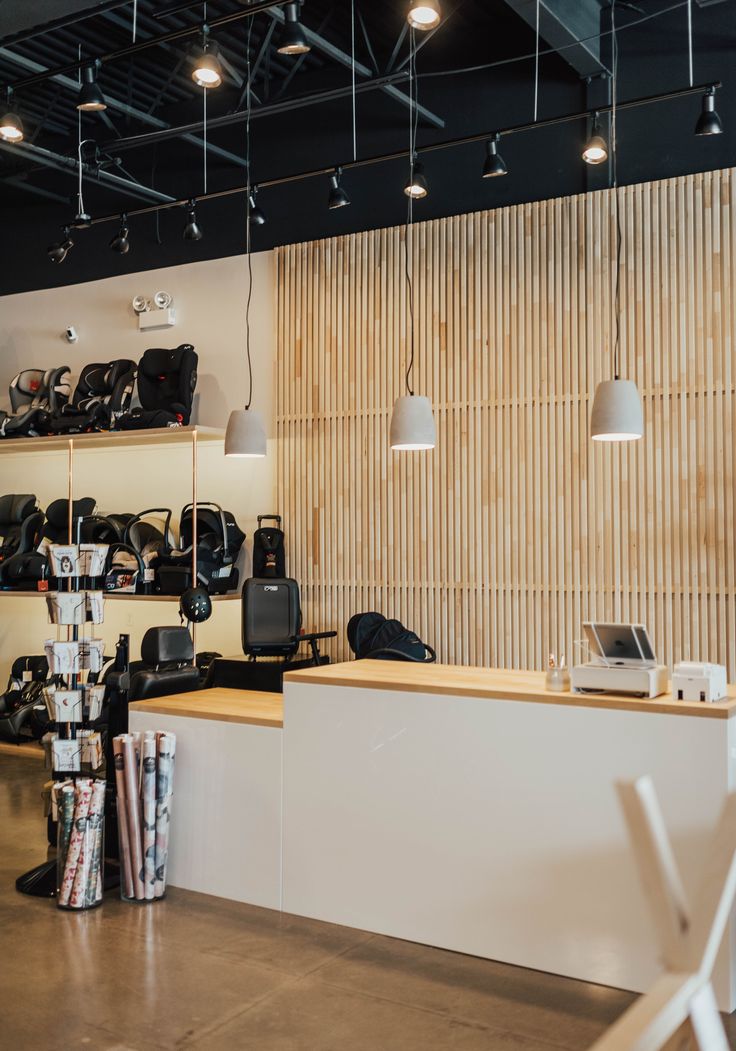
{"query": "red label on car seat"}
(34, 385)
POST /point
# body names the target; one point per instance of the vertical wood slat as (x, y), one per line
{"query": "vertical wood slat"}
(496, 546)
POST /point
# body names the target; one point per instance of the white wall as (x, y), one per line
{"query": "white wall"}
(210, 299)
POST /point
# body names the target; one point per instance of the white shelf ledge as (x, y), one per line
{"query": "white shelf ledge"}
(113, 439)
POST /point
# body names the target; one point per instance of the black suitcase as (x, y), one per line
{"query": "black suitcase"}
(271, 618)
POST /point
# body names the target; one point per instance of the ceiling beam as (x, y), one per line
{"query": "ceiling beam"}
(562, 23)
(121, 107)
(343, 58)
(288, 105)
(69, 165)
(22, 183)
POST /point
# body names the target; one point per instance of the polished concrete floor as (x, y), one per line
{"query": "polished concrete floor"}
(202, 973)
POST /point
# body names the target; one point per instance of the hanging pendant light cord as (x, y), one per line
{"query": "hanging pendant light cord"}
(408, 239)
(614, 165)
(135, 19)
(690, 39)
(536, 69)
(247, 213)
(204, 111)
(352, 64)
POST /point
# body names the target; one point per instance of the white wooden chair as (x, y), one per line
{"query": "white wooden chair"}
(689, 940)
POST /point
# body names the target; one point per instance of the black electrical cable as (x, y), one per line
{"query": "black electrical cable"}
(247, 213)
(413, 127)
(614, 173)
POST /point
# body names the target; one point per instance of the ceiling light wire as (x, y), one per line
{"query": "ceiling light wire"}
(135, 19)
(536, 69)
(690, 39)
(248, 214)
(614, 173)
(352, 65)
(204, 136)
(408, 236)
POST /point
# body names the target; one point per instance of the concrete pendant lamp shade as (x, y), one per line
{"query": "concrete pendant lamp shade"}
(617, 414)
(245, 435)
(412, 424)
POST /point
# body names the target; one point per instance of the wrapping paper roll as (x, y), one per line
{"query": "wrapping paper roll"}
(66, 819)
(83, 799)
(149, 814)
(90, 891)
(133, 811)
(126, 869)
(164, 794)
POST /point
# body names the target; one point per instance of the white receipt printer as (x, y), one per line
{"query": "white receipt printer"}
(623, 661)
(692, 681)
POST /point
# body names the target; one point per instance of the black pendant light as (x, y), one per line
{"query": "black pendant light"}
(121, 241)
(424, 14)
(11, 126)
(494, 163)
(596, 149)
(709, 123)
(338, 197)
(58, 251)
(91, 99)
(293, 38)
(257, 215)
(207, 70)
(416, 186)
(192, 229)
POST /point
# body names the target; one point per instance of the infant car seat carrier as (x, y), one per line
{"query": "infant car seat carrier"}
(35, 396)
(103, 392)
(219, 540)
(24, 569)
(166, 383)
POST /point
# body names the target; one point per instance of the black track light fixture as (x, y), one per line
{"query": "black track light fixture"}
(91, 99)
(11, 126)
(293, 38)
(709, 123)
(494, 163)
(338, 198)
(596, 149)
(58, 251)
(424, 14)
(416, 185)
(257, 215)
(192, 229)
(121, 241)
(207, 70)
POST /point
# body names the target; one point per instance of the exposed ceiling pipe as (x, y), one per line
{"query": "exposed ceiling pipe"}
(70, 165)
(62, 22)
(267, 109)
(143, 45)
(121, 107)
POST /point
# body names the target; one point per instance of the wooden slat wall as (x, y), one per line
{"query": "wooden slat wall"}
(496, 546)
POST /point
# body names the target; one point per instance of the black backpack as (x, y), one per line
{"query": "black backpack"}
(372, 637)
(269, 559)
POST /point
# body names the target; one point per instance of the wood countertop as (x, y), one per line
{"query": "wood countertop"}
(494, 684)
(221, 705)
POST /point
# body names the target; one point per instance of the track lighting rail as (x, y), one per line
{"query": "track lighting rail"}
(384, 158)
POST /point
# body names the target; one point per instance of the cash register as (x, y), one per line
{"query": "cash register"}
(622, 661)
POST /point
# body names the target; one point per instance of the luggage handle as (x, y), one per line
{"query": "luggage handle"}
(269, 518)
(223, 523)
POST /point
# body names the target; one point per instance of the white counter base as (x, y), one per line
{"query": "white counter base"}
(492, 827)
(226, 819)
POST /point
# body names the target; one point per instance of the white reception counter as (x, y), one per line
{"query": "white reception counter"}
(472, 810)
(460, 807)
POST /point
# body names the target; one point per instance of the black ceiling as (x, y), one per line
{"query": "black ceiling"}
(152, 91)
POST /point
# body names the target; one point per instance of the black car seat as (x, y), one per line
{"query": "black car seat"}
(219, 540)
(167, 380)
(103, 392)
(167, 665)
(24, 569)
(104, 529)
(35, 396)
(21, 524)
(24, 692)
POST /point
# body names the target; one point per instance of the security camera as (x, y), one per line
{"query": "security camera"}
(71, 334)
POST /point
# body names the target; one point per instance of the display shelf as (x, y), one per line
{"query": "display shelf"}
(114, 439)
(135, 598)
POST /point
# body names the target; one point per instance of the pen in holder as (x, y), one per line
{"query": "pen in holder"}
(557, 678)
